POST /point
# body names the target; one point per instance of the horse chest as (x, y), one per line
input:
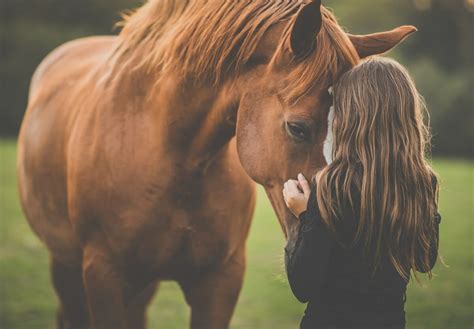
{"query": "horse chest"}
(174, 222)
(189, 242)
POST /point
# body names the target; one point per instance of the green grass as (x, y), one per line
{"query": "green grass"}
(27, 300)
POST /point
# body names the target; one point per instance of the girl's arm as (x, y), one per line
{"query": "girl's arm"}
(307, 253)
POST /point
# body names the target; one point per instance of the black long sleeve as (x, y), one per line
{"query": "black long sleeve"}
(338, 280)
(307, 258)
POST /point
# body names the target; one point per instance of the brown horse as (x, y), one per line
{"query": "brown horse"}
(128, 167)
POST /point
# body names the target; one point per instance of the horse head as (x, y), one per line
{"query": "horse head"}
(282, 120)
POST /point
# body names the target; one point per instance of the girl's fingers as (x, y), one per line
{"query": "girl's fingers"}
(304, 185)
(293, 187)
(285, 192)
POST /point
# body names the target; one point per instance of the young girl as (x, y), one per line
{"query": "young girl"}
(371, 219)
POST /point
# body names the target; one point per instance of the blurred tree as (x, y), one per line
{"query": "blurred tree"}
(447, 27)
(30, 29)
(443, 63)
(440, 56)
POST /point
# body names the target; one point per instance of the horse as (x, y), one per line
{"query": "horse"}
(138, 153)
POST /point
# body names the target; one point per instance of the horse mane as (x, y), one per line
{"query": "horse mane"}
(214, 39)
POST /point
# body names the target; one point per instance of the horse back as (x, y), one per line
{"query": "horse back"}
(69, 59)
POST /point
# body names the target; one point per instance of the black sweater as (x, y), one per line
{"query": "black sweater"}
(337, 282)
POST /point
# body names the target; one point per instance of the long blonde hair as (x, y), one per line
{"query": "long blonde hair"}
(380, 146)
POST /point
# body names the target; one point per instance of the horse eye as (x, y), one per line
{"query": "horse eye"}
(298, 131)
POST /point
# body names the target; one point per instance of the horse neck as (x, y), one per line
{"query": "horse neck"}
(194, 121)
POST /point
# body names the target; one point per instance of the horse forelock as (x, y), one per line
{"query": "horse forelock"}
(213, 39)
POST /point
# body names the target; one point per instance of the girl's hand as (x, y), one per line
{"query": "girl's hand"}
(296, 194)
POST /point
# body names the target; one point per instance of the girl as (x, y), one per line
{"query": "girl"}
(371, 219)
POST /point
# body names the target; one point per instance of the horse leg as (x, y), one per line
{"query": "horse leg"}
(213, 297)
(136, 309)
(105, 289)
(67, 281)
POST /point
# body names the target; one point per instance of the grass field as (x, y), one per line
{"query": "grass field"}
(27, 300)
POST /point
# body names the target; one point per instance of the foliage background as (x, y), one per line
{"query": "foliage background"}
(440, 56)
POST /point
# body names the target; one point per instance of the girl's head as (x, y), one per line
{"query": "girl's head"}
(379, 146)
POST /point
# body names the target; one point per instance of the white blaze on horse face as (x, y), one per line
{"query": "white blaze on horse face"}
(327, 146)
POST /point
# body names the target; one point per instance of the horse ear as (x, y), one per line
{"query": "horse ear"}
(378, 43)
(305, 29)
